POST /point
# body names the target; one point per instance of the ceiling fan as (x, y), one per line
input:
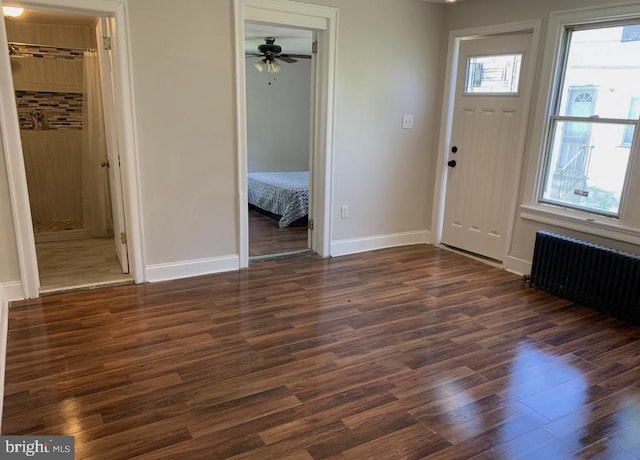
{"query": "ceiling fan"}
(271, 53)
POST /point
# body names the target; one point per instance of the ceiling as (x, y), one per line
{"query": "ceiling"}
(49, 17)
(293, 41)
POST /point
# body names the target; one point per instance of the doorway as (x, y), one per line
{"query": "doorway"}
(323, 22)
(279, 89)
(484, 155)
(63, 90)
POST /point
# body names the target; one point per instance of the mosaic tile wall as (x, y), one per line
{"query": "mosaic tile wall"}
(47, 52)
(49, 110)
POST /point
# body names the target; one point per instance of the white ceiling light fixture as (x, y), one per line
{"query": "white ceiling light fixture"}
(271, 65)
(274, 67)
(260, 65)
(12, 11)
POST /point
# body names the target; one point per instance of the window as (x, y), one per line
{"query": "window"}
(493, 74)
(634, 114)
(595, 107)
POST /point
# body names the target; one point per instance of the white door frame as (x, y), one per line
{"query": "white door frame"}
(126, 137)
(323, 20)
(446, 124)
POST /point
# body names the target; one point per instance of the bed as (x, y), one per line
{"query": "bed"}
(285, 194)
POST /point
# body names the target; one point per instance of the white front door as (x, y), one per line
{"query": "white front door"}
(487, 122)
(105, 29)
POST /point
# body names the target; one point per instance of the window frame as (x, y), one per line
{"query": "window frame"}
(634, 103)
(557, 117)
(626, 227)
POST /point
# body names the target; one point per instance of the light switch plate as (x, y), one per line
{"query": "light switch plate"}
(407, 121)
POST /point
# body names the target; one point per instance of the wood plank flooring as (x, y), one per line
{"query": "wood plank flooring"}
(406, 353)
(266, 238)
(79, 262)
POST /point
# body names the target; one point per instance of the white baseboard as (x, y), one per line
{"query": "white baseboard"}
(517, 266)
(8, 293)
(189, 268)
(355, 245)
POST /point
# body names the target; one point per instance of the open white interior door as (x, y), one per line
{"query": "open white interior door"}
(104, 31)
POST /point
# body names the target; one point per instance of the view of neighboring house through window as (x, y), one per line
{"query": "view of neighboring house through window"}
(595, 119)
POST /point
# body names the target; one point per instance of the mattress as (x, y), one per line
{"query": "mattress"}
(283, 193)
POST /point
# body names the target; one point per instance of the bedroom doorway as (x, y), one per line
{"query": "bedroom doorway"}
(279, 71)
(62, 79)
(322, 21)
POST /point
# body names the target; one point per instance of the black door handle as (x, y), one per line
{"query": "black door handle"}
(452, 163)
(454, 149)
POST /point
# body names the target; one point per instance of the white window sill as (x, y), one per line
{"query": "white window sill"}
(598, 226)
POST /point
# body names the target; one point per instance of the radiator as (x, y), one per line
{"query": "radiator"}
(595, 276)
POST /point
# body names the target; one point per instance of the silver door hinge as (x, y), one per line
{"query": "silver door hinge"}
(106, 43)
(123, 238)
(314, 47)
(310, 224)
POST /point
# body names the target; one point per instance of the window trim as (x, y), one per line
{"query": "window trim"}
(635, 100)
(574, 220)
(625, 228)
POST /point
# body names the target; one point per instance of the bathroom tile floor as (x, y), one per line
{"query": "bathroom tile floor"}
(72, 264)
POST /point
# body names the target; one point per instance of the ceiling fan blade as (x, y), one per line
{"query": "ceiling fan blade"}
(299, 56)
(287, 58)
(253, 55)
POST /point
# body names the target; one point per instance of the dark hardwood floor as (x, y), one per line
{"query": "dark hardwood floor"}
(266, 238)
(413, 352)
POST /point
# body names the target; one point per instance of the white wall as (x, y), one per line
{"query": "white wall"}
(278, 117)
(390, 60)
(480, 13)
(389, 64)
(390, 57)
(184, 101)
(475, 13)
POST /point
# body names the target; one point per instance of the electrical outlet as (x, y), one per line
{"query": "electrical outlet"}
(344, 212)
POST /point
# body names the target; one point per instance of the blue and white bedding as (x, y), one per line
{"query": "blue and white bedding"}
(283, 193)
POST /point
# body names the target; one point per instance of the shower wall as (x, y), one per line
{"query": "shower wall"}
(48, 84)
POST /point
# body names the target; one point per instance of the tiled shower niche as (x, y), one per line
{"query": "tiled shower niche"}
(49, 110)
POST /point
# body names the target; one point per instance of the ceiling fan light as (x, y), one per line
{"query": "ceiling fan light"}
(274, 67)
(260, 65)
